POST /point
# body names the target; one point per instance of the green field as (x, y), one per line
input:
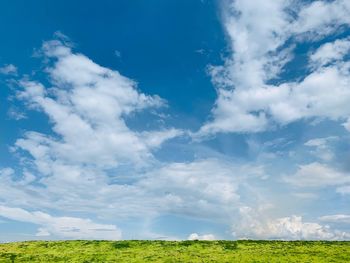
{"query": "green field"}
(172, 251)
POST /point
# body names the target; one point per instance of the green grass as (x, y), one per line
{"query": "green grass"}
(172, 251)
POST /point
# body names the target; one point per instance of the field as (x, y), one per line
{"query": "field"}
(172, 251)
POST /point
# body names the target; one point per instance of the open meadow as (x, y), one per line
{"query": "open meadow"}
(173, 251)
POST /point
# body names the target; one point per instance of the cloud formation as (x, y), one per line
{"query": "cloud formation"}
(87, 105)
(318, 175)
(256, 226)
(340, 218)
(251, 95)
(92, 162)
(195, 236)
(8, 69)
(62, 227)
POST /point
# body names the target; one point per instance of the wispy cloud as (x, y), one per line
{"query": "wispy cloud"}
(339, 218)
(62, 227)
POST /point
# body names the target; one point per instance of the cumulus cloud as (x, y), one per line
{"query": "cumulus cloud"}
(317, 175)
(9, 69)
(94, 163)
(62, 227)
(92, 148)
(256, 226)
(321, 18)
(330, 52)
(87, 105)
(195, 236)
(251, 97)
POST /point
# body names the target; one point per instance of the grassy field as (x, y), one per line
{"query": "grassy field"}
(171, 251)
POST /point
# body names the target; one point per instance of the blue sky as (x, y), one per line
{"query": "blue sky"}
(175, 120)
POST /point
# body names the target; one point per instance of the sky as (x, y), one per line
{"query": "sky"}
(173, 120)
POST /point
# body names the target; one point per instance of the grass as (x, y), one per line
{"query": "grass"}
(173, 251)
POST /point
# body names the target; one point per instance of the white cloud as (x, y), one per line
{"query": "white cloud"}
(256, 226)
(322, 17)
(62, 227)
(94, 163)
(330, 52)
(16, 114)
(320, 142)
(347, 125)
(322, 147)
(336, 218)
(317, 175)
(323, 93)
(8, 70)
(258, 31)
(344, 190)
(87, 106)
(156, 138)
(6, 172)
(202, 189)
(196, 188)
(195, 236)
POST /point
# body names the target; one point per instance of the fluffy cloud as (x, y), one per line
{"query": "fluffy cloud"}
(8, 70)
(92, 147)
(87, 105)
(94, 163)
(330, 52)
(318, 175)
(195, 236)
(320, 18)
(254, 225)
(259, 32)
(62, 227)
